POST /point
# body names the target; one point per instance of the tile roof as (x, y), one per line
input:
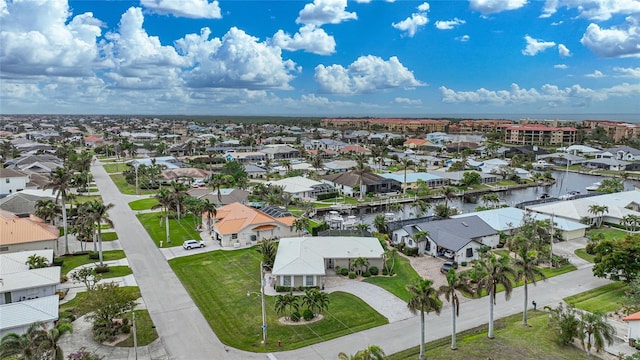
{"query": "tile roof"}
(235, 217)
(632, 317)
(17, 230)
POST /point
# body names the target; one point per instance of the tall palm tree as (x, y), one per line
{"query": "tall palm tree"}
(300, 224)
(268, 248)
(380, 223)
(165, 200)
(527, 271)
(178, 194)
(360, 169)
(59, 182)
(422, 207)
(47, 339)
(492, 271)
(598, 211)
(424, 298)
(47, 210)
(210, 209)
(420, 237)
(405, 162)
(99, 213)
(595, 325)
(17, 346)
(449, 193)
(455, 283)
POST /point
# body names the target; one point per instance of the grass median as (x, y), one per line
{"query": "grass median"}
(218, 283)
(143, 204)
(178, 232)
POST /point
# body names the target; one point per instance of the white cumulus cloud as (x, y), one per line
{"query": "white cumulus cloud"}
(463, 38)
(598, 10)
(38, 39)
(195, 9)
(486, 7)
(309, 38)
(618, 41)
(407, 101)
(411, 24)
(595, 74)
(322, 12)
(237, 60)
(563, 51)
(535, 46)
(365, 75)
(449, 24)
(560, 66)
(628, 72)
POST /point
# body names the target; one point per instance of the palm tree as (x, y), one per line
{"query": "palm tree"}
(47, 339)
(527, 271)
(380, 223)
(595, 325)
(598, 211)
(360, 169)
(300, 224)
(455, 283)
(286, 302)
(491, 199)
(316, 161)
(373, 352)
(165, 201)
(316, 300)
(359, 263)
(420, 237)
(424, 298)
(422, 207)
(268, 248)
(47, 210)
(405, 162)
(363, 227)
(449, 193)
(210, 209)
(178, 194)
(389, 255)
(492, 271)
(98, 213)
(18, 346)
(59, 182)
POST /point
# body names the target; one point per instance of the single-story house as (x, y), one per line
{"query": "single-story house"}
(562, 158)
(509, 219)
(187, 175)
(618, 205)
(455, 177)
(255, 172)
(457, 239)
(280, 152)
(303, 188)
(167, 162)
(246, 157)
(339, 165)
(304, 261)
(27, 295)
(432, 180)
(24, 202)
(626, 153)
(633, 322)
(238, 225)
(21, 233)
(605, 164)
(227, 196)
(372, 183)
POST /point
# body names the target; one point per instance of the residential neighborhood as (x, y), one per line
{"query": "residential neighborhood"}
(285, 240)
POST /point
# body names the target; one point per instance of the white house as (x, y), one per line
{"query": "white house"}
(303, 188)
(633, 321)
(27, 295)
(304, 261)
(12, 181)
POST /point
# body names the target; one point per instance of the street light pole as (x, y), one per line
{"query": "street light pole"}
(264, 310)
(136, 168)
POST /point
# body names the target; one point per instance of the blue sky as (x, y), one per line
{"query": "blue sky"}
(512, 58)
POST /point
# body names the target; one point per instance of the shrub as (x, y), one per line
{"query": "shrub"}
(307, 314)
(295, 317)
(463, 263)
(344, 271)
(366, 274)
(94, 255)
(125, 329)
(590, 248)
(78, 253)
(102, 269)
(409, 251)
(374, 270)
(337, 269)
(385, 272)
(352, 275)
(57, 262)
(64, 278)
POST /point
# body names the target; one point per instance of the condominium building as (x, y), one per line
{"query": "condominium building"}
(534, 134)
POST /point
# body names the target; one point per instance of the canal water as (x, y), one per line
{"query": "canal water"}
(565, 183)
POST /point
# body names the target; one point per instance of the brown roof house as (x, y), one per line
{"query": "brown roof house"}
(29, 232)
(372, 183)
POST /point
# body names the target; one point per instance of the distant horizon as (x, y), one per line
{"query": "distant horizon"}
(617, 117)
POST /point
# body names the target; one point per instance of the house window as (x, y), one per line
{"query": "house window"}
(234, 236)
(286, 281)
(6, 180)
(309, 281)
(469, 252)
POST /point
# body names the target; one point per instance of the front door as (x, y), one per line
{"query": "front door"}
(329, 263)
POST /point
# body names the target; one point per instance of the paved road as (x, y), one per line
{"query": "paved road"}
(186, 334)
(180, 325)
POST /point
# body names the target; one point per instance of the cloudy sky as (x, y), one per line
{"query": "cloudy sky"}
(321, 57)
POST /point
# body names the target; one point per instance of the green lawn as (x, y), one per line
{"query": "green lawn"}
(73, 261)
(397, 285)
(609, 233)
(582, 253)
(73, 306)
(115, 168)
(81, 199)
(218, 283)
(143, 204)
(117, 271)
(177, 232)
(127, 188)
(145, 331)
(109, 236)
(605, 298)
(512, 341)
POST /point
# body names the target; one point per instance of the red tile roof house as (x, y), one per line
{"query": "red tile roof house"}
(240, 225)
(633, 321)
(21, 233)
(92, 140)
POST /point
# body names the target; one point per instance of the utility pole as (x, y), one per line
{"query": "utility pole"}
(551, 243)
